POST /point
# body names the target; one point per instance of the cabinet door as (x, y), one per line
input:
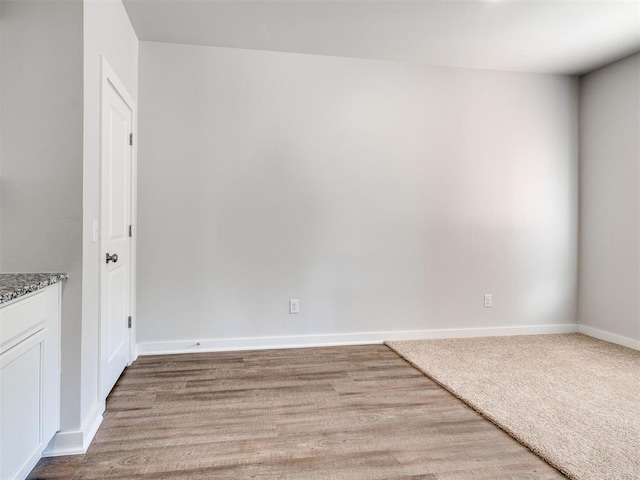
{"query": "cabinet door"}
(21, 415)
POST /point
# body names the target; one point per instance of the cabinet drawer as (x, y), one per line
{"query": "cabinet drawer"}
(25, 316)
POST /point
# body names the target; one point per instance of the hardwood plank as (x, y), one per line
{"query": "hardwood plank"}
(303, 414)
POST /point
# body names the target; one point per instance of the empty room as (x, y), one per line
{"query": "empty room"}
(320, 239)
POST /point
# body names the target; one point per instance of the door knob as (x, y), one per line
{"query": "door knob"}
(112, 258)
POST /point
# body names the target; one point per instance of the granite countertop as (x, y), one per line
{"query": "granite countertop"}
(14, 285)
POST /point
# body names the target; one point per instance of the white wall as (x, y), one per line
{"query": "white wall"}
(0, 133)
(50, 174)
(41, 195)
(385, 196)
(107, 32)
(609, 199)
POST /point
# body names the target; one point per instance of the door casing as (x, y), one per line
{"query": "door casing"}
(109, 79)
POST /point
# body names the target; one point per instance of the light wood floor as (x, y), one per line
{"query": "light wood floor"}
(322, 413)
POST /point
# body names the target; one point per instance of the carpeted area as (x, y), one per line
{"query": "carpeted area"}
(573, 400)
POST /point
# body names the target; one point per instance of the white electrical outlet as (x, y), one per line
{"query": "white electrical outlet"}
(294, 305)
(488, 300)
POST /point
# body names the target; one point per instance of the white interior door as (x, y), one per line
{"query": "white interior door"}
(116, 169)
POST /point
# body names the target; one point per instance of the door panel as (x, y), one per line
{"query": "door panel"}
(117, 121)
(118, 308)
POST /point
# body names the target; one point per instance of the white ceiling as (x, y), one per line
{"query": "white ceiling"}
(547, 36)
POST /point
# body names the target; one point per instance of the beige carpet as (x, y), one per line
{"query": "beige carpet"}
(573, 400)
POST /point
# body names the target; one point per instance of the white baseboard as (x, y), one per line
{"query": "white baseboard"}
(609, 337)
(361, 338)
(27, 466)
(76, 442)
(134, 354)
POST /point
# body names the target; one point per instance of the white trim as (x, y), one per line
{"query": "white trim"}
(609, 337)
(133, 245)
(76, 442)
(108, 76)
(362, 338)
(25, 469)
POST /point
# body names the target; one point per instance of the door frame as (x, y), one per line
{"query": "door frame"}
(109, 77)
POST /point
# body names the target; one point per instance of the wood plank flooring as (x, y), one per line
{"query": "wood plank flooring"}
(357, 413)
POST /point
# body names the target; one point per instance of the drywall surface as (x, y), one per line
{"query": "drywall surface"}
(609, 202)
(0, 133)
(41, 153)
(107, 33)
(51, 61)
(384, 196)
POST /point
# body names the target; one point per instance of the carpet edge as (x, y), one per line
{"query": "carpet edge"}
(484, 415)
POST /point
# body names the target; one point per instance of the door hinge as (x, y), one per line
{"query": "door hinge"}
(129, 322)
(131, 230)
(131, 139)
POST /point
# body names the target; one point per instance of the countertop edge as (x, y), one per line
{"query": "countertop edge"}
(25, 283)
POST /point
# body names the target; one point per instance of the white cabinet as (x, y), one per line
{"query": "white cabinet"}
(29, 379)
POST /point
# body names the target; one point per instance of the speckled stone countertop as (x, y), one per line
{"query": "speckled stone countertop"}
(14, 285)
